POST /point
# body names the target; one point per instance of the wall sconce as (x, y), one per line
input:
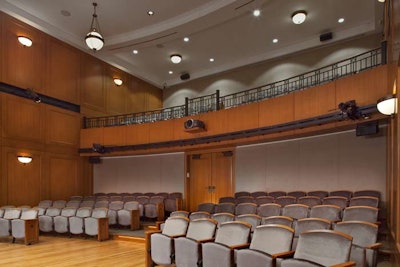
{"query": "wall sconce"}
(24, 159)
(387, 105)
(25, 41)
(118, 81)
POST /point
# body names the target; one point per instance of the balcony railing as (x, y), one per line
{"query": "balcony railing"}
(215, 102)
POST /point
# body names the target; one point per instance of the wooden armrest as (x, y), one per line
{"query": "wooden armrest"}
(240, 246)
(285, 254)
(345, 264)
(158, 224)
(206, 240)
(176, 236)
(374, 246)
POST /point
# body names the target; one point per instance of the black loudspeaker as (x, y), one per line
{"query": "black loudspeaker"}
(367, 128)
(185, 76)
(94, 160)
(325, 37)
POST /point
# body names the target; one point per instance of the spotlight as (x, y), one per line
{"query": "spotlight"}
(176, 58)
(350, 109)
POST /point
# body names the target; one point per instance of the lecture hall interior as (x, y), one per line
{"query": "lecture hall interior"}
(168, 105)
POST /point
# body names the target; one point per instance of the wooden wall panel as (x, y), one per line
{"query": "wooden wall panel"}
(23, 180)
(114, 136)
(25, 65)
(137, 134)
(276, 110)
(92, 85)
(90, 136)
(154, 97)
(243, 117)
(22, 118)
(305, 105)
(365, 87)
(116, 95)
(62, 127)
(63, 72)
(161, 131)
(137, 96)
(63, 176)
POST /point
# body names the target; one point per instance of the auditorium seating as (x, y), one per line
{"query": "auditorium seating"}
(26, 227)
(61, 222)
(76, 223)
(5, 222)
(308, 224)
(46, 221)
(97, 224)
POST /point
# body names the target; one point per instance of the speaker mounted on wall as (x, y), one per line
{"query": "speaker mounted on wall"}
(325, 37)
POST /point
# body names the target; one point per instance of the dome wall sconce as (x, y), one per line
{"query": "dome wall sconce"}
(299, 17)
(387, 105)
(94, 39)
(118, 81)
(25, 41)
(24, 159)
(176, 58)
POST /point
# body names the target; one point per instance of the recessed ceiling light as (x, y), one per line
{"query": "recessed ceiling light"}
(341, 20)
(382, 1)
(299, 17)
(256, 12)
(150, 12)
(212, 59)
(170, 72)
(135, 52)
(275, 40)
(186, 39)
(176, 58)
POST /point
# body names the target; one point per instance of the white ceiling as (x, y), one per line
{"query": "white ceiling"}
(224, 30)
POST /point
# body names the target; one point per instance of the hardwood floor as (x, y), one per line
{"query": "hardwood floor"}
(76, 251)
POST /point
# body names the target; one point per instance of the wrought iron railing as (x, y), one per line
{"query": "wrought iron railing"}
(215, 102)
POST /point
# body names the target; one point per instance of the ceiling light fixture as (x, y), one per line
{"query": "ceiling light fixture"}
(135, 52)
(24, 159)
(118, 81)
(212, 59)
(387, 105)
(299, 17)
(25, 41)
(341, 20)
(256, 12)
(170, 72)
(150, 12)
(382, 1)
(275, 41)
(94, 39)
(176, 58)
(186, 39)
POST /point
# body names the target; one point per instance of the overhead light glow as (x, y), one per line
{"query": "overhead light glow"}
(25, 41)
(212, 59)
(186, 39)
(117, 81)
(299, 17)
(176, 58)
(341, 20)
(135, 52)
(256, 12)
(275, 41)
(150, 12)
(24, 159)
(170, 72)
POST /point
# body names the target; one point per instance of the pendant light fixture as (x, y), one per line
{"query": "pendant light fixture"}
(94, 39)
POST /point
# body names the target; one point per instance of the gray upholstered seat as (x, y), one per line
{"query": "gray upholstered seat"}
(91, 224)
(162, 244)
(342, 193)
(229, 236)
(76, 198)
(339, 201)
(241, 194)
(282, 220)
(87, 204)
(73, 204)
(276, 194)
(318, 193)
(207, 207)
(245, 199)
(367, 193)
(113, 209)
(46, 222)
(188, 248)
(264, 200)
(101, 203)
(76, 223)
(330, 212)
(253, 219)
(223, 217)
(364, 247)
(270, 209)
(18, 225)
(321, 248)
(364, 201)
(199, 215)
(228, 207)
(59, 204)
(310, 201)
(143, 200)
(173, 202)
(61, 224)
(296, 211)
(257, 194)
(361, 213)
(226, 200)
(245, 208)
(125, 215)
(5, 222)
(180, 213)
(1, 213)
(268, 243)
(297, 194)
(155, 208)
(308, 224)
(285, 200)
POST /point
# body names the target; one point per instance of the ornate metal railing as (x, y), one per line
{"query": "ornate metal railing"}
(215, 102)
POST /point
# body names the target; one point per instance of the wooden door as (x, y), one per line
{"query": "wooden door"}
(210, 176)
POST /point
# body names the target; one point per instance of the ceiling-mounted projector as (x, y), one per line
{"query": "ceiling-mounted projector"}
(194, 125)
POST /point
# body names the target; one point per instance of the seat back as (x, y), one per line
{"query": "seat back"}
(364, 201)
(329, 212)
(297, 194)
(310, 201)
(207, 207)
(156, 199)
(12, 213)
(253, 219)
(29, 214)
(199, 215)
(233, 233)
(270, 209)
(52, 212)
(264, 234)
(223, 217)
(257, 194)
(45, 203)
(226, 200)
(276, 194)
(245, 199)
(83, 212)
(325, 247)
(367, 193)
(246, 208)
(101, 204)
(175, 226)
(285, 200)
(131, 205)
(73, 203)
(128, 198)
(225, 207)
(201, 229)
(179, 213)
(339, 201)
(361, 213)
(264, 200)
(296, 211)
(87, 203)
(68, 212)
(308, 224)
(143, 199)
(282, 220)
(99, 213)
(342, 193)
(318, 193)
(242, 194)
(116, 205)
(59, 204)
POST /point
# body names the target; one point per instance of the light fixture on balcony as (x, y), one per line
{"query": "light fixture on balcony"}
(299, 17)
(25, 41)
(387, 105)
(176, 58)
(118, 81)
(24, 159)
(94, 39)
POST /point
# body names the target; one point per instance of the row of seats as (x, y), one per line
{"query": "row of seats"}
(317, 193)
(201, 242)
(20, 224)
(306, 200)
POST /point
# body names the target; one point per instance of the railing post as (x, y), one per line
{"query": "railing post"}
(217, 100)
(384, 53)
(186, 106)
(84, 122)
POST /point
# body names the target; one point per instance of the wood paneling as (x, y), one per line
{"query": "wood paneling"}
(276, 110)
(137, 134)
(243, 117)
(63, 176)
(62, 127)
(25, 65)
(117, 96)
(63, 72)
(92, 84)
(114, 136)
(137, 96)
(161, 131)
